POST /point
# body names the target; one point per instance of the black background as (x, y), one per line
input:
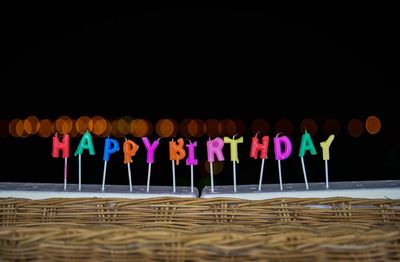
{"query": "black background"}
(245, 62)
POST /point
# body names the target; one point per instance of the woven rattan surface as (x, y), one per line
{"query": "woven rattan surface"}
(199, 229)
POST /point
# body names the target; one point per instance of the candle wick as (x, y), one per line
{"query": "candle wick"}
(234, 136)
(257, 134)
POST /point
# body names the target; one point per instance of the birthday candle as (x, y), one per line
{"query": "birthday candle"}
(86, 143)
(150, 156)
(282, 155)
(192, 161)
(306, 145)
(234, 155)
(64, 147)
(110, 147)
(263, 149)
(130, 149)
(325, 156)
(214, 147)
(176, 153)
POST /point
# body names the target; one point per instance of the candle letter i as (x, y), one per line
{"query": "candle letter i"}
(234, 155)
(85, 143)
(214, 147)
(110, 147)
(192, 161)
(64, 147)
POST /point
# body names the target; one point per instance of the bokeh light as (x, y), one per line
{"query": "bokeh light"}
(107, 129)
(355, 127)
(46, 128)
(261, 126)
(140, 127)
(123, 125)
(309, 125)
(73, 132)
(183, 127)
(373, 125)
(227, 128)
(166, 127)
(83, 124)
(218, 167)
(240, 127)
(99, 125)
(196, 128)
(63, 125)
(31, 125)
(284, 126)
(16, 127)
(331, 126)
(212, 127)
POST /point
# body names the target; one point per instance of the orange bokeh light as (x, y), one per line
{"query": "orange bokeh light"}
(83, 124)
(99, 125)
(261, 126)
(140, 127)
(212, 127)
(285, 126)
(63, 125)
(227, 128)
(46, 128)
(332, 126)
(31, 125)
(355, 127)
(166, 127)
(309, 125)
(373, 125)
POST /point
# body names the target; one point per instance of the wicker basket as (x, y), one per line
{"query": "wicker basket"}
(176, 229)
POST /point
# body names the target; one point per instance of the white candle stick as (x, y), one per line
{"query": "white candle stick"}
(326, 174)
(304, 171)
(65, 172)
(80, 171)
(148, 177)
(129, 176)
(191, 178)
(173, 176)
(234, 176)
(104, 176)
(261, 174)
(280, 175)
(212, 177)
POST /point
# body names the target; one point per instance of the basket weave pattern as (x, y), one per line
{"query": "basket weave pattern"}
(177, 229)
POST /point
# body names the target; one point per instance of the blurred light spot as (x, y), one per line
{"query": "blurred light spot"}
(240, 126)
(166, 127)
(373, 125)
(332, 126)
(4, 128)
(140, 127)
(309, 125)
(15, 127)
(260, 125)
(227, 128)
(123, 125)
(212, 127)
(31, 125)
(183, 127)
(73, 132)
(218, 167)
(99, 125)
(285, 126)
(63, 125)
(107, 129)
(45, 129)
(115, 129)
(83, 124)
(196, 128)
(355, 127)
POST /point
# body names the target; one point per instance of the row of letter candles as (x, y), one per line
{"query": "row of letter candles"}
(282, 149)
